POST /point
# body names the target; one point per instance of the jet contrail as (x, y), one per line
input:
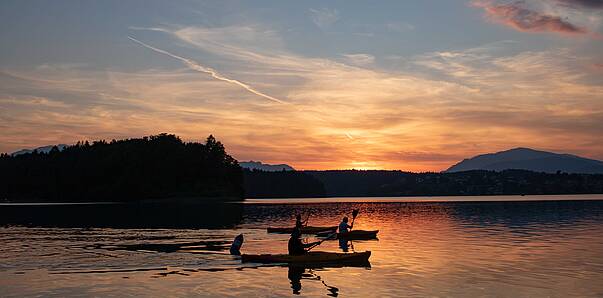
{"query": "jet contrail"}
(200, 68)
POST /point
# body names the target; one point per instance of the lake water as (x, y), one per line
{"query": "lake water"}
(446, 247)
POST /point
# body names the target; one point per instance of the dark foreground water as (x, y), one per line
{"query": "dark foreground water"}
(425, 248)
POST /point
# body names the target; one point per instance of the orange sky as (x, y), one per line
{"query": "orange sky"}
(340, 117)
(350, 95)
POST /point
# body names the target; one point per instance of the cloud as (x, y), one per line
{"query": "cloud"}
(582, 3)
(448, 105)
(158, 29)
(324, 17)
(252, 44)
(554, 73)
(359, 59)
(32, 101)
(198, 67)
(519, 17)
(116, 105)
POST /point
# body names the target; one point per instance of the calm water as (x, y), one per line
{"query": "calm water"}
(425, 248)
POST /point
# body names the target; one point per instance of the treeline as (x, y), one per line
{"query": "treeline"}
(341, 183)
(282, 184)
(163, 166)
(155, 167)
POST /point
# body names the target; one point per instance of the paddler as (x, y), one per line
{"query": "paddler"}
(235, 248)
(299, 224)
(296, 246)
(344, 227)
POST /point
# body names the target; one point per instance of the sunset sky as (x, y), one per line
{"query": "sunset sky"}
(411, 85)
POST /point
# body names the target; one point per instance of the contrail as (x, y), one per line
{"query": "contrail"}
(200, 68)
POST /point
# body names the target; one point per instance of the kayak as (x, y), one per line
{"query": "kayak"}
(305, 230)
(351, 235)
(358, 235)
(314, 257)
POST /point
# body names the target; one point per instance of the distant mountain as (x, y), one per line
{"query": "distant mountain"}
(530, 159)
(257, 165)
(44, 149)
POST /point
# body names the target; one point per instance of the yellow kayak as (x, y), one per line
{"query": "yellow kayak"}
(305, 230)
(317, 257)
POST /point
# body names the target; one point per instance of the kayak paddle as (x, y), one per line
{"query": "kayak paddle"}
(354, 214)
(321, 241)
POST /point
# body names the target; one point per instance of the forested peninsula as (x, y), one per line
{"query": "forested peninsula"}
(155, 167)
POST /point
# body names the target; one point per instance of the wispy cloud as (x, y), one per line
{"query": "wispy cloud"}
(198, 67)
(359, 59)
(158, 29)
(32, 101)
(324, 17)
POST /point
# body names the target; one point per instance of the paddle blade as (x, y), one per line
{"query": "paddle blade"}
(355, 213)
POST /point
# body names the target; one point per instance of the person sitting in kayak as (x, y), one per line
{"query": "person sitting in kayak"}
(344, 227)
(296, 246)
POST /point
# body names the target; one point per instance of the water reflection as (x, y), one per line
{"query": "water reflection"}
(125, 216)
(452, 249)
(296, 274)
(526, 214)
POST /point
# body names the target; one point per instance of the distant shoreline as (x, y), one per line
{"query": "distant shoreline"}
(343, 199)
(430, 199)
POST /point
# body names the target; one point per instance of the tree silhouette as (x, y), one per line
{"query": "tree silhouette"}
(158, 166)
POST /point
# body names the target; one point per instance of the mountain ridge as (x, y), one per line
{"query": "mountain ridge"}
(258, 165)
(43, 149)
(529, 159)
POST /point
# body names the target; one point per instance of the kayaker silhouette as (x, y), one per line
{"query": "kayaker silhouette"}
(235, 248)
(344, 227)
(296, 246)
(299, 223)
